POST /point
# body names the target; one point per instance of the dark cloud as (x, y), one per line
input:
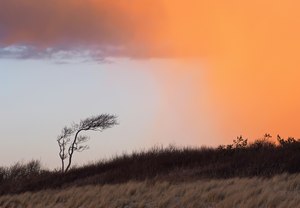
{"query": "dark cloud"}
(99, 28)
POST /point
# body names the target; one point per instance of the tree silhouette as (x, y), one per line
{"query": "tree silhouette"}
(68, 145)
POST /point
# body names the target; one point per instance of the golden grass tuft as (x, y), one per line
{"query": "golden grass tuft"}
(278, 191)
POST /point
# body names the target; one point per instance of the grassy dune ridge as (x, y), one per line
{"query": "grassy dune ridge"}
(261, 158)
(277, 191)
(259, 174)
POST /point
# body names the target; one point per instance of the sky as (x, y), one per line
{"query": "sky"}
(186, 73)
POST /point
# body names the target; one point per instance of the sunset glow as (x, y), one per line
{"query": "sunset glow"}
(194, 72)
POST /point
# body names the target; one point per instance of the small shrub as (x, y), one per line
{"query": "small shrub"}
(290, 141)
(240, 142)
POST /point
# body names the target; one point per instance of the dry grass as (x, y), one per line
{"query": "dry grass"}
(278, 191)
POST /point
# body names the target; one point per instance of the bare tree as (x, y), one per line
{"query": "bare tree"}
(68, 145)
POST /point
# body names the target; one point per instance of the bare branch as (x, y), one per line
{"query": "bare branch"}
(98, 123)
(82, 139)
(82, 148)
(65, 133)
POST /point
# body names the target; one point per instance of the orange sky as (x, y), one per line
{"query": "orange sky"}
(249, 50)
(252, 50)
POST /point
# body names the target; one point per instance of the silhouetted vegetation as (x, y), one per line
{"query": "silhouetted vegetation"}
(68, 145)
(261, 158)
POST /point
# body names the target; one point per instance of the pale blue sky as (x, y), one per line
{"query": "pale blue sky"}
(39, 97)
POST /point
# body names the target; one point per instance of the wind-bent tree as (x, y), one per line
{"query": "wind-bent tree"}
(70, 141)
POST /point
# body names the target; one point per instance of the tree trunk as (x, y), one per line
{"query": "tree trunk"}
(71, 150)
